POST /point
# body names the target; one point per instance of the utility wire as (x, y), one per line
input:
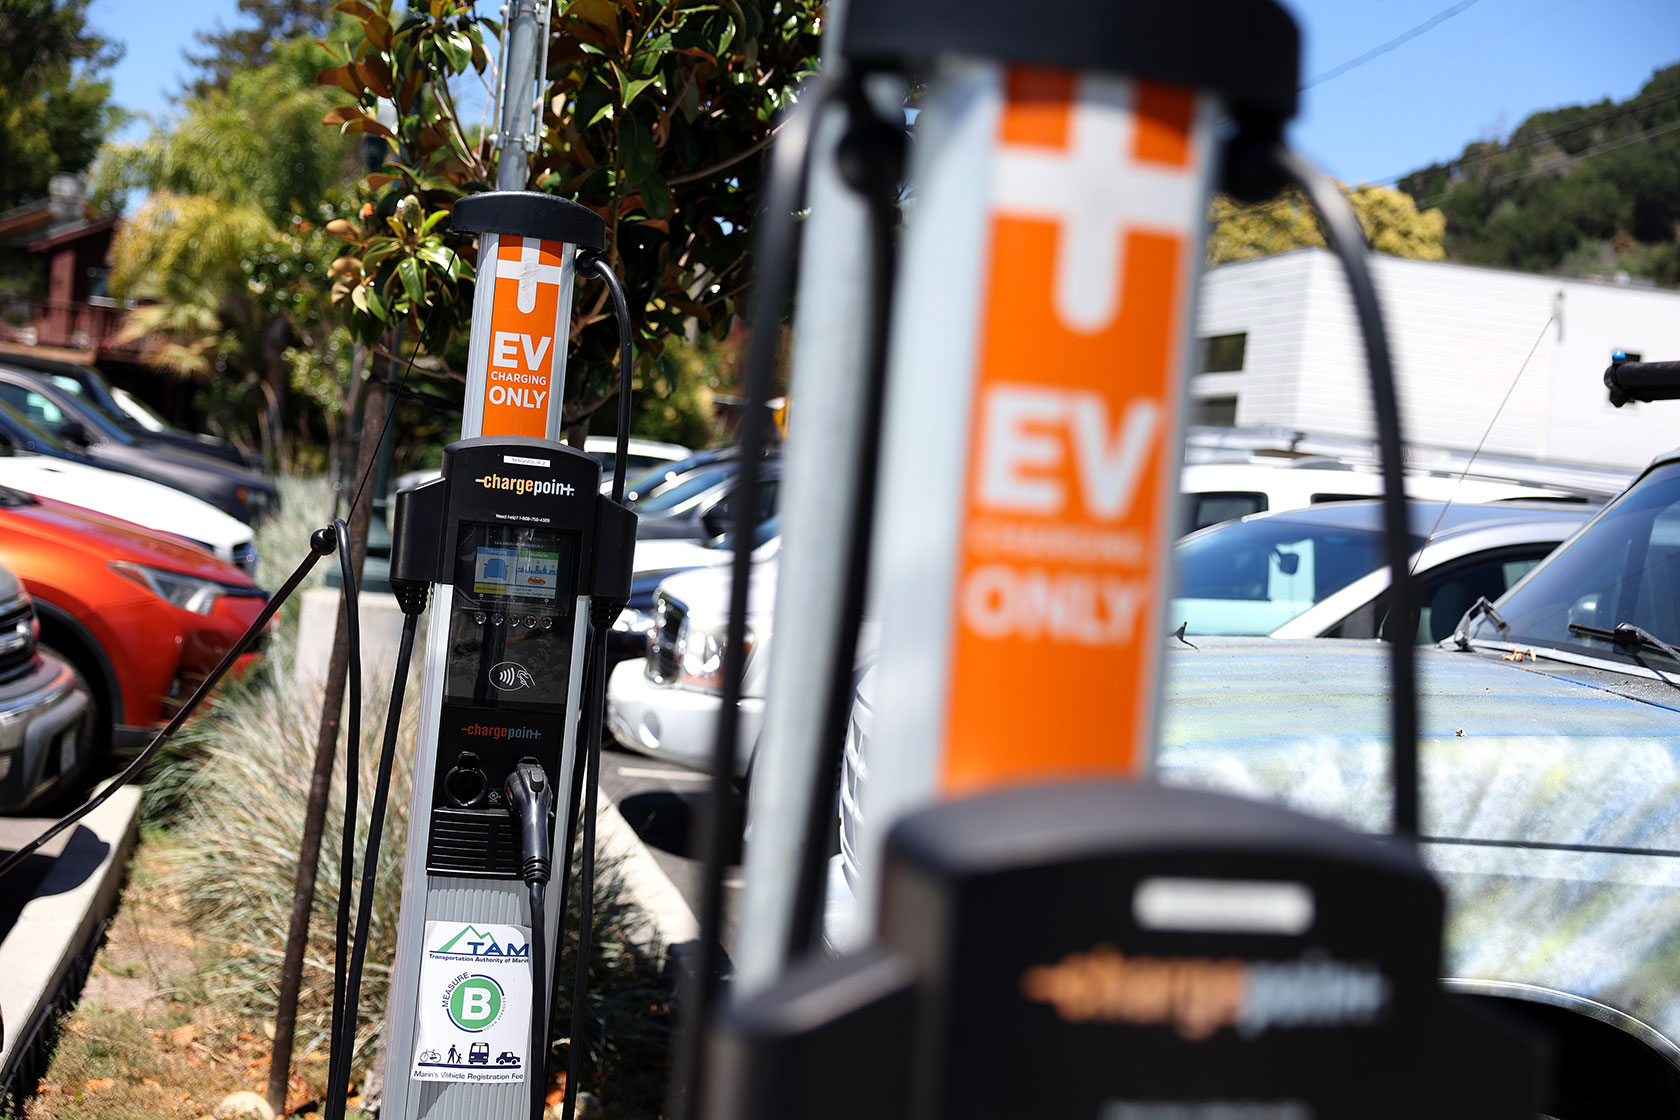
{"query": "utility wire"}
(1377, 51)
(1538, 339)
(1542, 136)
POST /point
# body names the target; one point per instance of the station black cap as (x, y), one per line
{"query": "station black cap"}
(531, 214)
(1246, 51)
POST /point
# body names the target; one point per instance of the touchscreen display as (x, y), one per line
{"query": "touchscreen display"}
(505, 563)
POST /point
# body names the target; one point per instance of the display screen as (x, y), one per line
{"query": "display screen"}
(503, 563)
(526, 573)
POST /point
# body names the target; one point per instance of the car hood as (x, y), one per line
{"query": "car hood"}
(705, 591)
(115, 539)
(1550, 797)
(162, 507)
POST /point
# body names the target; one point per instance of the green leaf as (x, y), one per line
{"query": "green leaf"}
(635, 150)
(408, 271)
(457, 48)
(629, 89)
(656, 195)
(432, 220)
(376, 305)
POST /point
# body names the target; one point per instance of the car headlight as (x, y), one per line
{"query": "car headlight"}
(187, 592)
(700, 653)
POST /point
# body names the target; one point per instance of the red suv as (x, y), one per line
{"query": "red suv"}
(143, 615)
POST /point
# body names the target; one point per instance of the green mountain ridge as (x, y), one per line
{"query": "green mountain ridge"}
(1578, 191)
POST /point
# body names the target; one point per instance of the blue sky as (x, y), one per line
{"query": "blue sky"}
(1475, 74)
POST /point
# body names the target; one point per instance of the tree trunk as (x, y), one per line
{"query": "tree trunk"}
(320, 786)
(277, 335)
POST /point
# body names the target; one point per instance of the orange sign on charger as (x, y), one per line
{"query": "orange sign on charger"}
(526, 333)
(1057, 624)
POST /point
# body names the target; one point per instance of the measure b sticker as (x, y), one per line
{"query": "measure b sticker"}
(475, 1004)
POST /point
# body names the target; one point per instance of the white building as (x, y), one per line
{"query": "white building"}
(1282, 349)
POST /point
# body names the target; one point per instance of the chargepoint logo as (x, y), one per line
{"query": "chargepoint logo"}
(1198, 996)
(496, 731)
(527, 487)
(511, 676)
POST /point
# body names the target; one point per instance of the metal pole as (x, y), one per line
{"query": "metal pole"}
(527, 34)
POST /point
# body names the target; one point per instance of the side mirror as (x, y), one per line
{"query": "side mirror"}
(72, 432)
(1288, 562)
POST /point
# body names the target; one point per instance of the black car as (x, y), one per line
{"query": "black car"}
(89, 385)
(44, 709)
(239, 492)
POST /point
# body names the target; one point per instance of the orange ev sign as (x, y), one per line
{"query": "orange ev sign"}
(525, 335)
(1094, 206)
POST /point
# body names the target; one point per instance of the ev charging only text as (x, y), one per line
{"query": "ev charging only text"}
(1045, 567)
(517, 373)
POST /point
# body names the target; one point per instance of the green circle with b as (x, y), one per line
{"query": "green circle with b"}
(475, 1003)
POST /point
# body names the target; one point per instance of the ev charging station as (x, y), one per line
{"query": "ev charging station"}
(526, 562)
(1045, 932)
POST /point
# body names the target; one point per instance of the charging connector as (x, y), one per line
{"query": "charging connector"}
(530, 798)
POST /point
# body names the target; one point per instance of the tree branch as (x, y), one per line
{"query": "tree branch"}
(704, 172)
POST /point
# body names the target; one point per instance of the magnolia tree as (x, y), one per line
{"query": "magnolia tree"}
(656, 116)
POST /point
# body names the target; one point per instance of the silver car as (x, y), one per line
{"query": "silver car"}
(44, 708)
(1321, 573)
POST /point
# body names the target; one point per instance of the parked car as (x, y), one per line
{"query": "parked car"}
(1549, 744)
(658, 559)
(1321, 571)
(131, 498)
(44, 709)
(141, 615)
(88, 384)
(1216, 492)
(232, 489)
(666, 704)
(699, 504)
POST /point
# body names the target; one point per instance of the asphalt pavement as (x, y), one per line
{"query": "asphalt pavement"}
(661, 802)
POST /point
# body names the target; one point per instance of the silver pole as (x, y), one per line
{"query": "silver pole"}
(826, 429)
(526, 36)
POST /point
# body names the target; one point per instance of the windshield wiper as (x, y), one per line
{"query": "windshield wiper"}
(1461, 632)
(1626, 634)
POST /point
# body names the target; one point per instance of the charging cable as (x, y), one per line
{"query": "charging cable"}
(530, 797)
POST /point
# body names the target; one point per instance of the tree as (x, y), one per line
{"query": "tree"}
(657, 118)
(1577, 190)
(55, 108)
(227, 51)
(1390, 218)
(227, 254)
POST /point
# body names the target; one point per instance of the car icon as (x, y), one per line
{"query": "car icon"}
(507, 1058)
(478, 1054)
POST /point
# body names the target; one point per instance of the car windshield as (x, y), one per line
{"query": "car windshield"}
(139, 411)
(1624, 567)
(36, 432)
(679, 490)
(1250, 577)
(90, 397)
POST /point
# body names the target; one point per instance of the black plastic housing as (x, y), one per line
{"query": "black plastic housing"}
(530, 214)
(1247, 52)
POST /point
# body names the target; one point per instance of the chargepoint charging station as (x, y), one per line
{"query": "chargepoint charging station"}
(1046, 932)
(525, 561)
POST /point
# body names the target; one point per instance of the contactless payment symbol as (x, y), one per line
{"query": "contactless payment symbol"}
(475, 1003)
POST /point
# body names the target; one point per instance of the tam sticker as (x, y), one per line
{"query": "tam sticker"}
(474, 1004)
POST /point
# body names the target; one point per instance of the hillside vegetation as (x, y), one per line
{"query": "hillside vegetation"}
(1583, 190)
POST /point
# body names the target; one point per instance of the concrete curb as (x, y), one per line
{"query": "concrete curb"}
(45, 955)
(669, 918)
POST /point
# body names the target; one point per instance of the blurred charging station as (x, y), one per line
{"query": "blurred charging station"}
(1045, 932)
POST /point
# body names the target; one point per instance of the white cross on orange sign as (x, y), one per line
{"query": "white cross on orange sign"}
(526, 337)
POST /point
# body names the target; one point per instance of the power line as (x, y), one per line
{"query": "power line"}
(1544, 135)
(1599, 149)
(1398, 40)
